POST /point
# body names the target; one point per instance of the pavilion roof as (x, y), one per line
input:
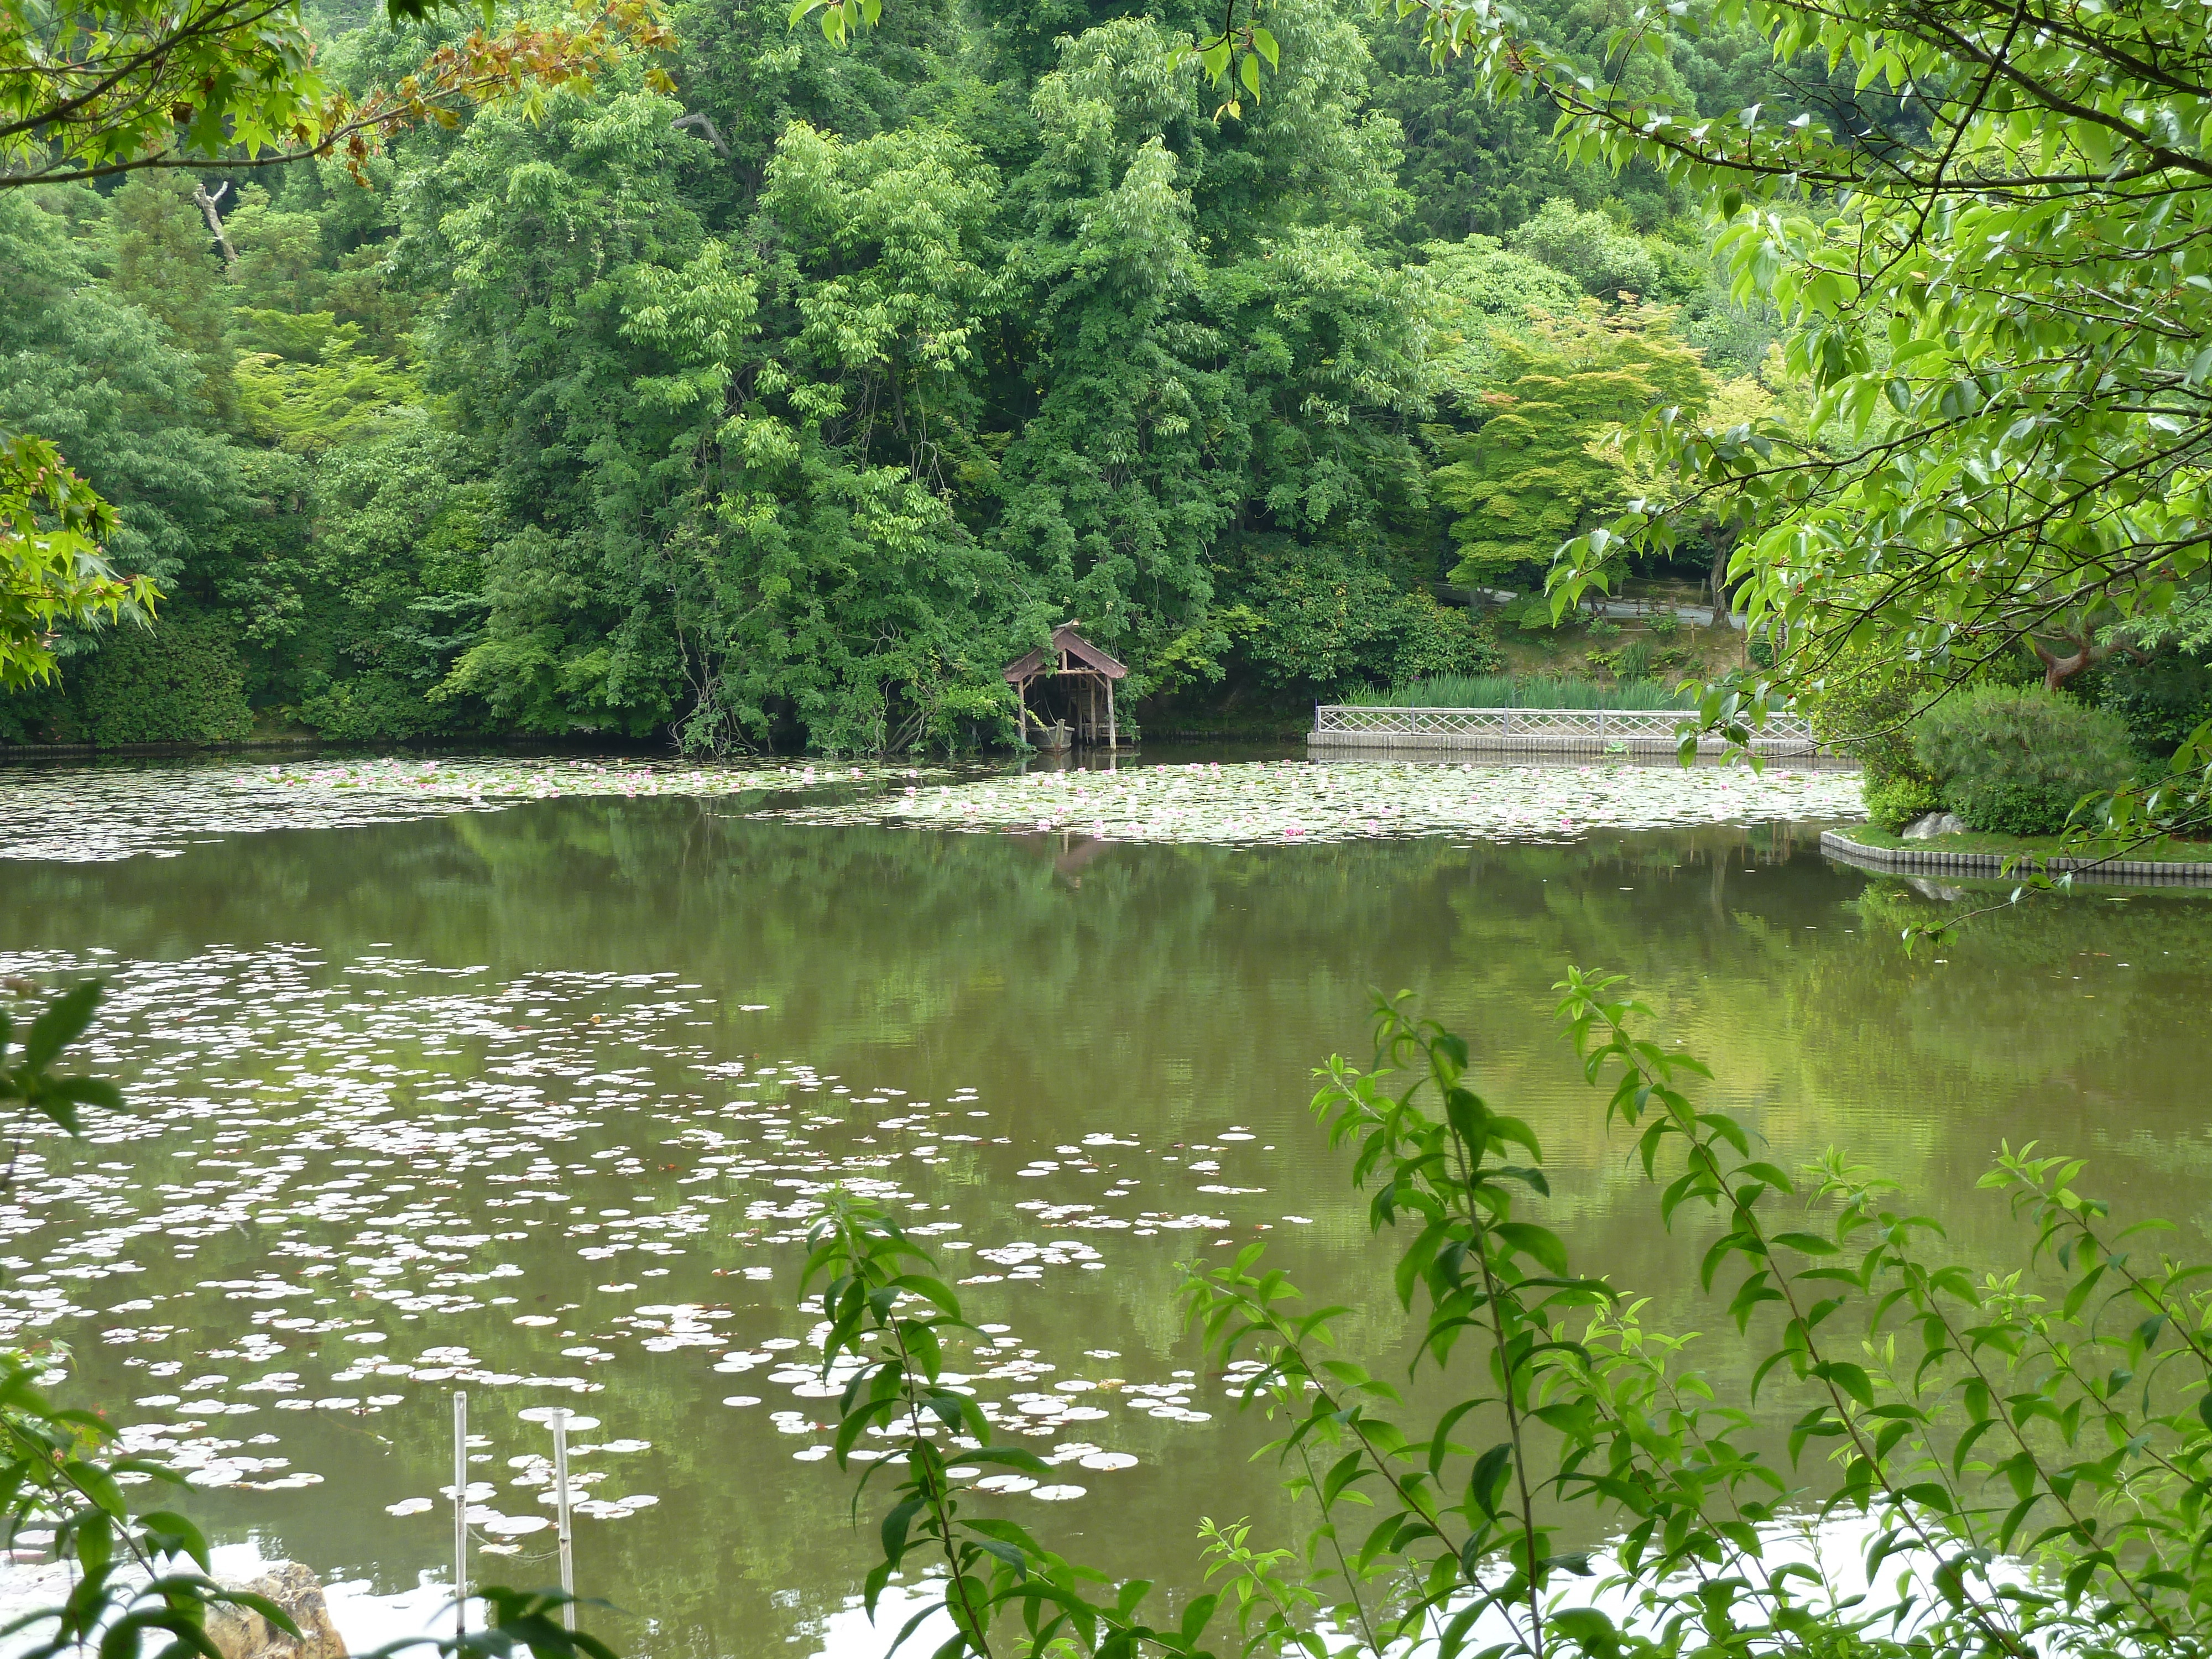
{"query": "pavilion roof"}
(1074, 654)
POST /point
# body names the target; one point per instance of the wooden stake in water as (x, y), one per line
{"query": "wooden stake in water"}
(460, 1512)
(567, 1532)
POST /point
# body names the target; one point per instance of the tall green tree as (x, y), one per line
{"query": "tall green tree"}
(93, 373)
(2005, 334)
(165, 263)
(1536, 471)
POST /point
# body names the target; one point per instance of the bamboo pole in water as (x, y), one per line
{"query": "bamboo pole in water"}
(460, 1512)
(567, 1532)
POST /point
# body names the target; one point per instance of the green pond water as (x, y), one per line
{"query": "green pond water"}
(536, 1102)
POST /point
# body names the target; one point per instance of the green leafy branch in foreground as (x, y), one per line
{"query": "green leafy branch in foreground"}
(52, 571)
(886, 1326)
(139, 1575)
(2018, 1462)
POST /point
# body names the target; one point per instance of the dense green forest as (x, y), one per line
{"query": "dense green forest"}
(785, 411)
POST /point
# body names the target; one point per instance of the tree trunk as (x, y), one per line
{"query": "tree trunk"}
(215, 220)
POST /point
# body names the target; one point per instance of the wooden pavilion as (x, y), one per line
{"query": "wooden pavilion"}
(1073, 681)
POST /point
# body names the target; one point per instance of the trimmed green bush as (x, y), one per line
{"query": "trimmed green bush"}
(181, 681)
(2015, 759)
(1896, 800)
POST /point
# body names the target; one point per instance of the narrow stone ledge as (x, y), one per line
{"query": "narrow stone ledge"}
(1912, 861)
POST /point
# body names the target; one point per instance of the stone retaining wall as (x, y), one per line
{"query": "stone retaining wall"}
(1913, 861)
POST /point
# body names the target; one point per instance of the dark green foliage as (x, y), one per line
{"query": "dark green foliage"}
(93, 373)
(163, 261)
(1488, 689)
(181, 681)
(2017, 759)
(793, 422)
(401, 558)
(2163, 699)
(1866, 709)
(1326, 619)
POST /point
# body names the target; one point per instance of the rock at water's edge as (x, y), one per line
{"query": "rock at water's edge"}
(242, 1633)
(1930, 824)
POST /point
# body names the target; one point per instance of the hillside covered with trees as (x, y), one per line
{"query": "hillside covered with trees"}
(784, 408)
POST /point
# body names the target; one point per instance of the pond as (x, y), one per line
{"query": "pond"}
(529, 1088)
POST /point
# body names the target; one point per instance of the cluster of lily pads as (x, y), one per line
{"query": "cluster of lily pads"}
(1290, 801)
(82, 815)
(344, 1189)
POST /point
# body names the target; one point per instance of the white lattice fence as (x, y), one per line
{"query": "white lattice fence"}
(1639, 725)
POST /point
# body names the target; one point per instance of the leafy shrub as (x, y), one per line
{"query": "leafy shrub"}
(182, 681)
(1898, 800)
(1434, 639)
(2015, 759)
(1588, 246)
(1320, 616)
(1863, 707)
(369, 707)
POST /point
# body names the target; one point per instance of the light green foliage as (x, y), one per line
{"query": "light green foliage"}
(1943, 1421)
(1894, 802)
(88, 91)
(1606, 260)
(2019, 758)
(53, 571)
(1484, 293)
(2006, 358)
(305, 406)
(1533, 473)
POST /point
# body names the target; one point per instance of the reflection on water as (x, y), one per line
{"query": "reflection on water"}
(534, 1102)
